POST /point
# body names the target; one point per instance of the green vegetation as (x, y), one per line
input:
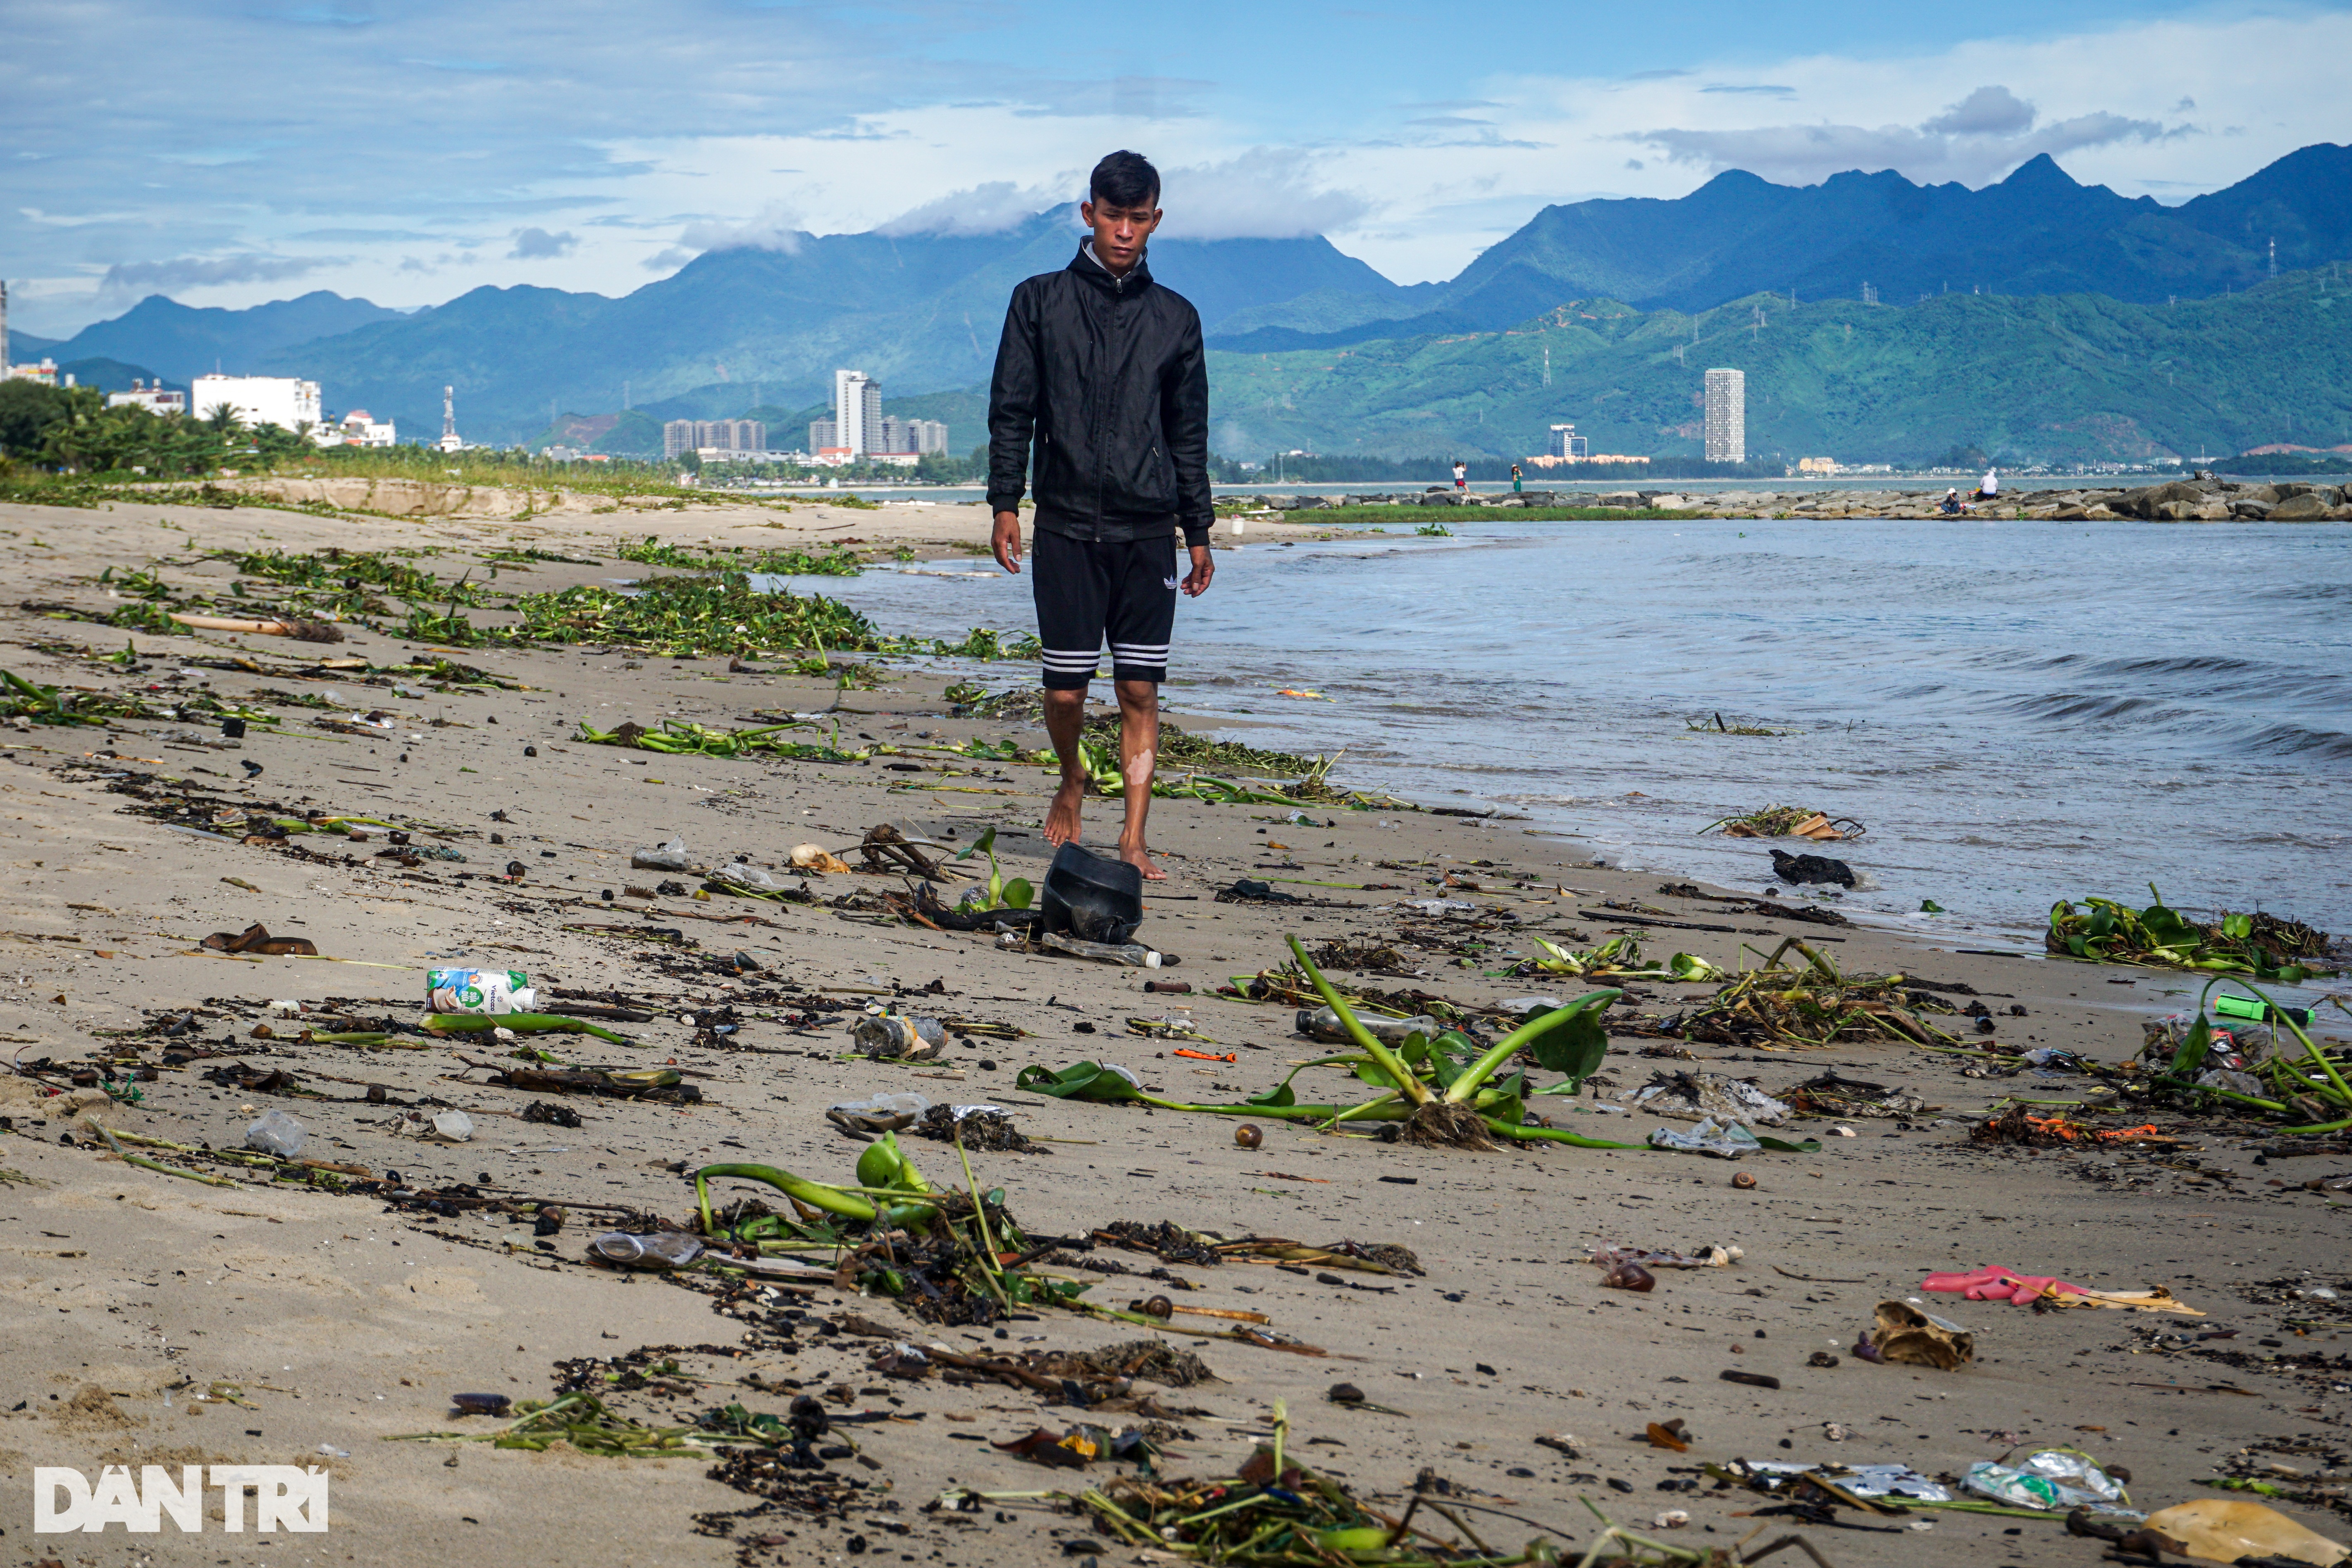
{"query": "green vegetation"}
(2058, 378)
(841, 562)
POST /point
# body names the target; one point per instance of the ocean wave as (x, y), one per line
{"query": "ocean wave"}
(2294, 741)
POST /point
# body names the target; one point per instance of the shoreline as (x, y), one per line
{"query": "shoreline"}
(138, 1291)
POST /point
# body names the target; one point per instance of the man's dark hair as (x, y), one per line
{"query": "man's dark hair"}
(1125, 179)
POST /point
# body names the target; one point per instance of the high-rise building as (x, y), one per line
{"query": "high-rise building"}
(682, 435)
(931, 435)
(1726, 417)
(823, 434)
(1566, 443)
(856, 412)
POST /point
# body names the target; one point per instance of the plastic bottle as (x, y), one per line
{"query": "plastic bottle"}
(889, 1034)
(1133, 953)
(665, 1250)
(1323, 1024)
(277, 1133)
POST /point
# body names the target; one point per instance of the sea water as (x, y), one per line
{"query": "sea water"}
(2018, 712)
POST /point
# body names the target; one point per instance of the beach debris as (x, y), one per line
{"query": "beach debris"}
(1786, 822)
(1323, 1024)
(2051, 1478)
(1831, 1094)
(1903, 1334)
(1810, 1004)
(661, 1250)
(277, 1133)
(1000, 891)
(1815, 1488)
(1704, 1257)
(1996, 1283)
(877, 1113)
(816, 858)
(547, 1113)
(1619, 958)
(1625, 1275)
(666, 1085)
(1134, 955)
(282, 627)
(1247, 1136)
(669, 856)
(900, 1039)
(480, 1404)
(1724, 1140)
(1745, 1180)
(479, 991)
(886, 847)
(983, 1127)
(256, 939)
(2056, 1130)
(1801, 870)
(2160, 937)
(2229, 1530)
(1691, 1095)
(1091, 898)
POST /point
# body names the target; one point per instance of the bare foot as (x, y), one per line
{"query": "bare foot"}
(1136, 856)
(1062, 817)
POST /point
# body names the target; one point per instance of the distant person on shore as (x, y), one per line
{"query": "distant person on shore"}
(1989, 487)
(1515, 479)
(1461, 475)
(1101, 368)
(1950, 505)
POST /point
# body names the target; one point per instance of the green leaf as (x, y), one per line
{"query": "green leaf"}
(2191, 1054)
(1080, 1080)
(1575, 1047)
(983, 844)
(1018, 892)
(1930, 906)
(2238, 926)
(1279, 1096)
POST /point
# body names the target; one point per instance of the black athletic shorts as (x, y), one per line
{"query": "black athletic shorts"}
(1088, 592)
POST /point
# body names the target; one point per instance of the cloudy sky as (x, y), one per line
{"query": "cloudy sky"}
(227, 153)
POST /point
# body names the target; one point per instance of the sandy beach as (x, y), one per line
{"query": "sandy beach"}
(157, 1321)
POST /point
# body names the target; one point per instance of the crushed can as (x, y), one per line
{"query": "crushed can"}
(479, 991)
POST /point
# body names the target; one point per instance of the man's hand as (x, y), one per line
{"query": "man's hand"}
(1004, 539)
(1196, 581)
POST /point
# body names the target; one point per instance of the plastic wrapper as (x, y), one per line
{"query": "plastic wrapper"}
(665, 1250)
(890, 1036)
(479, 991)
(2052, 1478)
(1725, 1141)
(669, 856)
(877, 1112)
(277, 1133)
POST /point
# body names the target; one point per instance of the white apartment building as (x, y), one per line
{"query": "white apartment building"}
(276, 400)
(154, 399)
(1726, 417)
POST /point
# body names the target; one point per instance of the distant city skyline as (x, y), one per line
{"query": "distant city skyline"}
(583, 162)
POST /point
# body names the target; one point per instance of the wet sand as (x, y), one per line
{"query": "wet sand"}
(130, 1293)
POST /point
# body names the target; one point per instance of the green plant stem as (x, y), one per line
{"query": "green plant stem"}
(1504, 1049)
(816, 1194)
(1410, 1086)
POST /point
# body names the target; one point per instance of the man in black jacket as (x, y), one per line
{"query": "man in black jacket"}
(1102, 368)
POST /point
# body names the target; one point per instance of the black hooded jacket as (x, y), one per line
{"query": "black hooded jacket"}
(1107, 377)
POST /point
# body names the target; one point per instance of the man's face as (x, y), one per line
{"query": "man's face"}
(1119, 232)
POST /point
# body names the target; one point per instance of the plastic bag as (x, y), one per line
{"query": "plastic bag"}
(2052, 1478)
(877, 1112)
(669, 856)
(277, 1133)
(1727, 1141)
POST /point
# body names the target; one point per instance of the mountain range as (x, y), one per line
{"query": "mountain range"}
(765, 326)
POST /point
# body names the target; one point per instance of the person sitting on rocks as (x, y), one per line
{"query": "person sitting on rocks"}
(1991, 487)
(1950, 505)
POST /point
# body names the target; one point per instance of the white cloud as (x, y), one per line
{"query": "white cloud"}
(776, 227)
(991, 208)
(1266, 193)
(538, 244)
(1976, 139)
(202, 272)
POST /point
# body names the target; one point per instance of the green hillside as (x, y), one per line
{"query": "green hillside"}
(2058, 378)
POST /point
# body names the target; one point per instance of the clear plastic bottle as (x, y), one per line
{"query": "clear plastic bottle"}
(1132, 953)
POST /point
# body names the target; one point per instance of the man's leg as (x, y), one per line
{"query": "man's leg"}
(1140, 619)
(1138, 758)
(1066, 715)
(1073, 590)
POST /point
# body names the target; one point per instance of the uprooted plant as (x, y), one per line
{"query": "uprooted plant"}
(1441, 1087)
(2160, 937)
(2309, 1086)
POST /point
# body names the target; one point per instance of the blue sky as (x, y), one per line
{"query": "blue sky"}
(410, 150)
